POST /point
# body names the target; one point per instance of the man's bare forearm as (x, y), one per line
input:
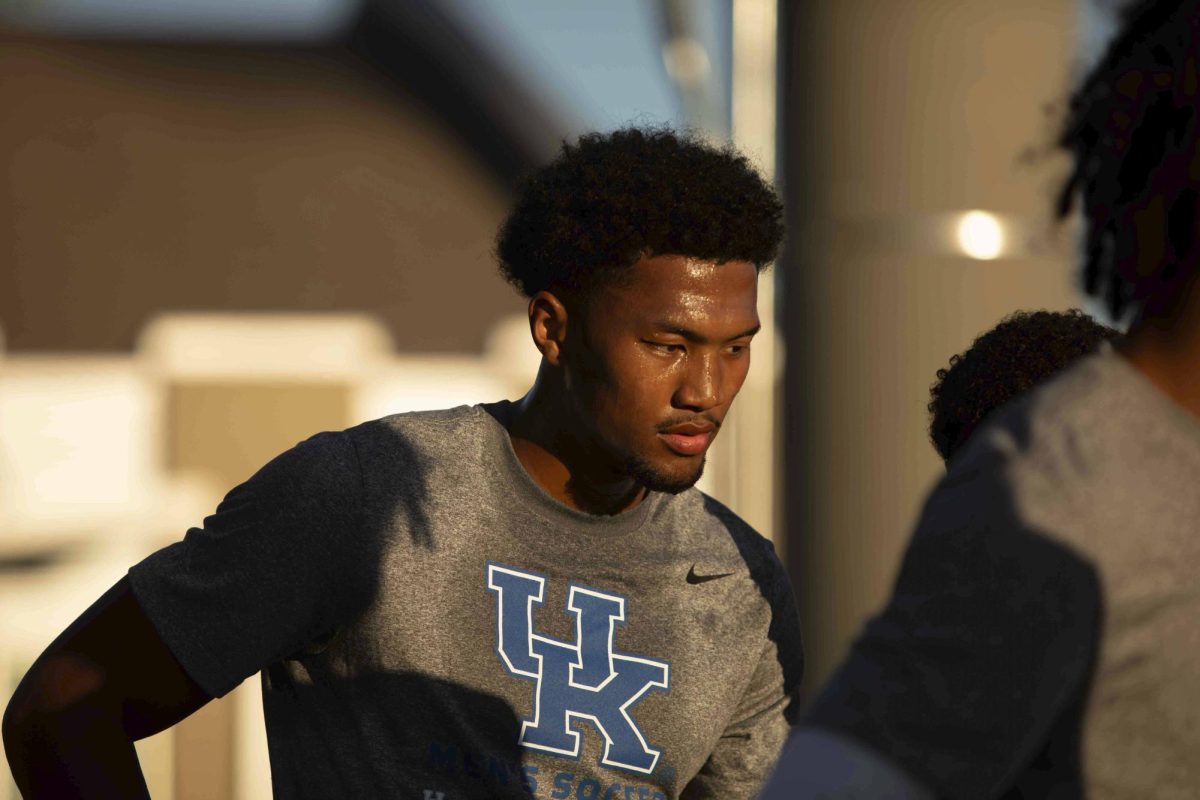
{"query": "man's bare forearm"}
(105, 682)
(81, 752)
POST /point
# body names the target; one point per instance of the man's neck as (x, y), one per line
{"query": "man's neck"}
(1164, 345)
(551, 453)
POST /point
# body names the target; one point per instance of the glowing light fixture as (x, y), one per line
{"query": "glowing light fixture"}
(981, 235)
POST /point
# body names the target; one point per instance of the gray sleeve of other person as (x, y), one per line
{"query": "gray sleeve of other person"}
(820, 764)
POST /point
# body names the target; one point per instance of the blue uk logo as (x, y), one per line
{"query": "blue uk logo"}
(585, 680)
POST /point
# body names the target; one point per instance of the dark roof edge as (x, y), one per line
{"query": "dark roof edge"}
(440, 65)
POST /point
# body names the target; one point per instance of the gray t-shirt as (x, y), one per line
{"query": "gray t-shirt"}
(429, 623)
(1043, 637)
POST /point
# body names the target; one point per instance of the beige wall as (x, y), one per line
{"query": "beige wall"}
(909, 109)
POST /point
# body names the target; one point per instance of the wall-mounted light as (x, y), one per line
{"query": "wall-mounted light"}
(980, 235)
(972, 235)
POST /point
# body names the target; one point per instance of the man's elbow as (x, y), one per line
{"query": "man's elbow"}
(12, 726)
(61, 696)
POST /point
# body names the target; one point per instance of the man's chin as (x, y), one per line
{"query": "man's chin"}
(660, 480)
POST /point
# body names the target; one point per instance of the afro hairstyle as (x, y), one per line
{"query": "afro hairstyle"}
(610, 199)
(1023, 350)
(1131, 128)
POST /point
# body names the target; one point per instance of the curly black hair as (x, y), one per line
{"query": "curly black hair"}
(1023, 350)
(610, 199)
(1131, 128)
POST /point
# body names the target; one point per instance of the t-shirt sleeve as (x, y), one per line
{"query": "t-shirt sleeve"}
(278, 566)
(989, 633)
(817, 764)
(747, 750)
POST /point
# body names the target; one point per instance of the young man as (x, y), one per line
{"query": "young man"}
(1043, 633)
(517, 599)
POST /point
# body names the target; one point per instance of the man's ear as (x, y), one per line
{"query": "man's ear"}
(548, 325)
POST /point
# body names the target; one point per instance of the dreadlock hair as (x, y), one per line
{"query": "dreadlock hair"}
(610, 199)
(1023, 350)
(1132, 130)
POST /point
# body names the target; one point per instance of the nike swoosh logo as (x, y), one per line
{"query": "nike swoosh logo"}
(692, 577)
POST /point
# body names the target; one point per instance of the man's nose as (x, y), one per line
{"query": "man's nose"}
(700, 389)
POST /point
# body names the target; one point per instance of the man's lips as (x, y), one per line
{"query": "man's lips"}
(686, 444)
(689, 439)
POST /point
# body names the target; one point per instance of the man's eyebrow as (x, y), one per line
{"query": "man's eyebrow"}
(670, 327)
(747, 332)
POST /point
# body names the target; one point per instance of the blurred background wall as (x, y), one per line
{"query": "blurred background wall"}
(902, 116)
(920, 178)
(225, 225)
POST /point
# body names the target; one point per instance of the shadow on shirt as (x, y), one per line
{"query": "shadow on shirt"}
(396, 472)
(390, 735)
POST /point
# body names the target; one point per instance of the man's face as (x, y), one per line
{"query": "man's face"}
(657, 362)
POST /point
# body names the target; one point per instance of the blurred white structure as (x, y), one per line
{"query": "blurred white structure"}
(77, 449)
(745, 464)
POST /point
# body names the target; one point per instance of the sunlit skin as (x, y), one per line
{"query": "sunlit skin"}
(635, 381)
(1164, 343)
(1164, 340)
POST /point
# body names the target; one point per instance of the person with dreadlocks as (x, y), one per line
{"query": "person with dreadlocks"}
(1042, 636)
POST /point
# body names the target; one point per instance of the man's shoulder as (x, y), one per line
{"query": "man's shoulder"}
(1047, 447)
(1098, 410)
(715, 532)
(1040, 483)
(1068, 450)
(705, 512)
(1033, 427)
(434, 433)
(332, 448)
(433, 421)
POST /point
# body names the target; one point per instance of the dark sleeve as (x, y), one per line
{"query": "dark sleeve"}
(988, 635)
(749, 746)
(279, 565)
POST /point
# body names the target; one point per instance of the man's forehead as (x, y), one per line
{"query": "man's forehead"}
(685, 292)
(668, 265)
(688, 278)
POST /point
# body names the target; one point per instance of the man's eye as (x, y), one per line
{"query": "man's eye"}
(737, 349)
(666, 347)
